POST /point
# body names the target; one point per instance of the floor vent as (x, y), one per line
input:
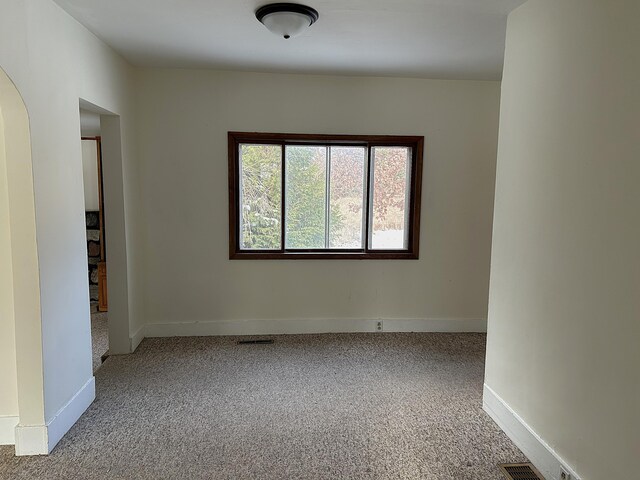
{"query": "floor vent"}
(262, 341)
(520, 471)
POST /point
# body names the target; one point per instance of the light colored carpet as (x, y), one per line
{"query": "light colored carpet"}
(99, 337)
(348, 406)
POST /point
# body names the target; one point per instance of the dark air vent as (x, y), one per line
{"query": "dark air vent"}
(520, 471)
(261, 341)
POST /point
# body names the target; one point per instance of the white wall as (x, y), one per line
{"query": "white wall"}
(90, 175)
(184, 117)
(89, 123)
(564, 309)
(54, 62)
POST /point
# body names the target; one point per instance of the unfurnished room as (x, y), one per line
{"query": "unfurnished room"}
(335, 239)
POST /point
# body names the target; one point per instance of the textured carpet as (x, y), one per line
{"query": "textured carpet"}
(349, 406)
(99, 337)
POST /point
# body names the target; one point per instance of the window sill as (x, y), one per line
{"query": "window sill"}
(378, 255)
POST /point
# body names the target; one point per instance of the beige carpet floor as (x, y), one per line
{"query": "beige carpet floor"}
(99, 337)
(348, 406)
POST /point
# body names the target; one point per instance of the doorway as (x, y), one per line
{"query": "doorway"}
(95, 229)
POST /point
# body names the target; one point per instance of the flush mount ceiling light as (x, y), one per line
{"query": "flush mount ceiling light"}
(286, 19)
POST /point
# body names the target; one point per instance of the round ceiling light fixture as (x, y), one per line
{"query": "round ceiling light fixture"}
(286, 19)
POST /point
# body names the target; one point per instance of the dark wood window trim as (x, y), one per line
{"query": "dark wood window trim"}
(235, 139)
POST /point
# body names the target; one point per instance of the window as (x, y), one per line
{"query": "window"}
(324, 196)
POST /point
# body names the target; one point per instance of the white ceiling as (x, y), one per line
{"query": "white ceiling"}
(455, 39)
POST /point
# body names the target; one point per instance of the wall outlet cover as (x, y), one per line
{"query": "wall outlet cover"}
(565, 474)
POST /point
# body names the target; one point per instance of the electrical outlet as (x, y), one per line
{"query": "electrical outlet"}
(564, 474)
(379, 325)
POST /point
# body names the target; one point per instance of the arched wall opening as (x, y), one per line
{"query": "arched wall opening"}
(23, 373)
(21, 366)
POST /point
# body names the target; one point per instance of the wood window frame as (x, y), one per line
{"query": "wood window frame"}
(416, 143)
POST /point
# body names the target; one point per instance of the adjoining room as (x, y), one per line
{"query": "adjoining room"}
(96, 251)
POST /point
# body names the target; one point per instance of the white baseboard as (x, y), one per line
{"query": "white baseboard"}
(468, 325)
(545, 459)
(31, 440)
(8, 430)
(71, 412)
(41, 439)
(313, 325)
(136, 338)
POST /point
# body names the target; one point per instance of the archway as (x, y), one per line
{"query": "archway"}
(36, 407)
(20, 317)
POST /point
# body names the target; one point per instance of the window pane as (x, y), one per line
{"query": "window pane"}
(305, 196)
(391, 177)
(347, 197)
(261, 197)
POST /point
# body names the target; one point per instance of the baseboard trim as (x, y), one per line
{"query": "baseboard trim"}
(136, 338)
(71, 412)
(535, 448)
(462, 325)
(309, 325)
(31, 440)
(8, 430)
(42, 439)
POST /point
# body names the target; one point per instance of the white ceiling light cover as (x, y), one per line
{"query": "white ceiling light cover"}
(286, 19)
(286, 25)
